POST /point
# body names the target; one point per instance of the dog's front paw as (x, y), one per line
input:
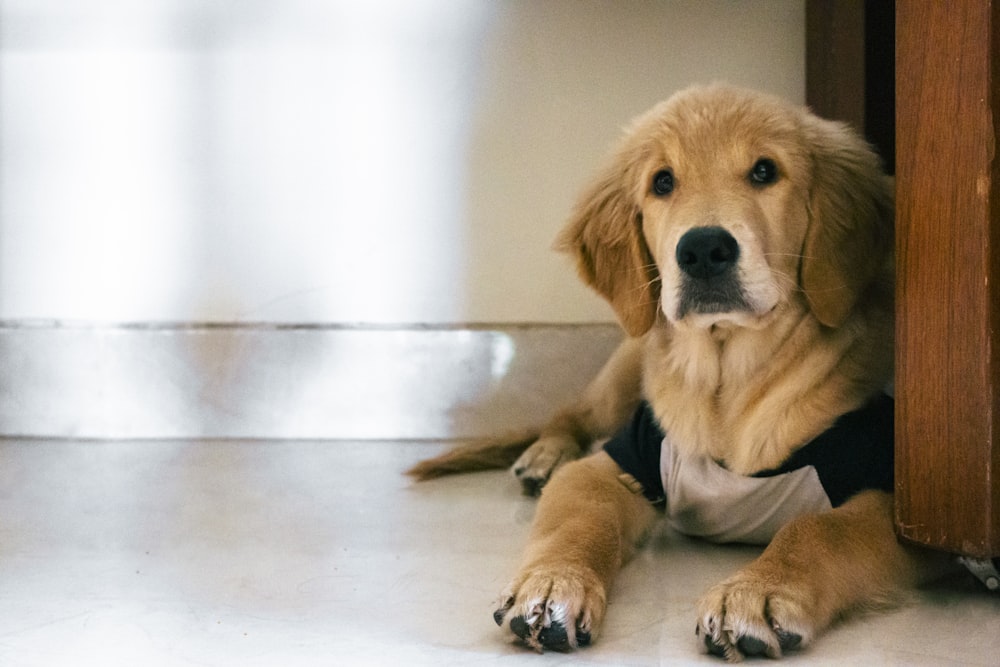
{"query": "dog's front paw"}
(554, 607)
(536, 465)
(754, 616)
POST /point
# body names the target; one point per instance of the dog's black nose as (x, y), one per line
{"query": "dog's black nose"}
(705, 252)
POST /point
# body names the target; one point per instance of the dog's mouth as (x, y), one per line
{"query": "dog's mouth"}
(712, 296)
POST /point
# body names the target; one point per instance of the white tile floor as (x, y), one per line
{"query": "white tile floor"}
(322, 553)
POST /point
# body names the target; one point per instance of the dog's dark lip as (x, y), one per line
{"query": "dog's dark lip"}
(717, 307)
(715, 296)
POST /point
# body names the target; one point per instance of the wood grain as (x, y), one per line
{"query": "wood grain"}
(948, 459)
(850, 67)
(835, 59)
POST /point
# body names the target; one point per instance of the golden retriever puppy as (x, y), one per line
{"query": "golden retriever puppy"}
(746, 248)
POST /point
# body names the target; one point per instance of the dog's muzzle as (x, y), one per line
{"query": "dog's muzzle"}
(707, 257)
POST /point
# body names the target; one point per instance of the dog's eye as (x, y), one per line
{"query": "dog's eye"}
(663, 182)
(764, 172)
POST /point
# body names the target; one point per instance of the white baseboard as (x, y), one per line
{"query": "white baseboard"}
(294, 382)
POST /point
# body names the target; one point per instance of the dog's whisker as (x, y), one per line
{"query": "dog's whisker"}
(796, 255)
(642, 287)
(783, 278)
(788, 281)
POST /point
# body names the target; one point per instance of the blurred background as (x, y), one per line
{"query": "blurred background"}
(323, 219)
(376, 162)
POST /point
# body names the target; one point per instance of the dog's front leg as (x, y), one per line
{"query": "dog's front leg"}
(605, 405)
(816, 569)
(587, 524)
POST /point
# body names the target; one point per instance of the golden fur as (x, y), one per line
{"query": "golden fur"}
(808, 339)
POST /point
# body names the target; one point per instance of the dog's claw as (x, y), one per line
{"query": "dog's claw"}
(501, 611)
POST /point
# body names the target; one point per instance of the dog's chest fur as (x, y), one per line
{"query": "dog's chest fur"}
(749, 397)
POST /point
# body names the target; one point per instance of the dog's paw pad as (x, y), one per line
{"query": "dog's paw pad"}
(553, 610)
(519, 626)
(552, 637)
(744, 617)
(789, 641)
(714, 648)
(531, 485)
(733, 647)
(751, 646)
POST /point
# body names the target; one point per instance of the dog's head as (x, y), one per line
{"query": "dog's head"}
(722, 205)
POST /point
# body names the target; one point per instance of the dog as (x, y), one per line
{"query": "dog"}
(746, 247)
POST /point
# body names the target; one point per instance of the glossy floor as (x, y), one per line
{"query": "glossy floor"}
(322, 553)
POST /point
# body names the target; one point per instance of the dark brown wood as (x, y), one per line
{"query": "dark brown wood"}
(835, 59)
(850, 67)
(948, 233)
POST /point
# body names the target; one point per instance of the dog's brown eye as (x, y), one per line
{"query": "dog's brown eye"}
(764, 172)
(663, 182)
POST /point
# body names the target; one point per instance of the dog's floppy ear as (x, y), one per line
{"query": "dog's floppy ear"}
(850, 232)
(605, 236)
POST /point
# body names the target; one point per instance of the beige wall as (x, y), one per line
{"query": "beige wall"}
(380, 162)
(560, 80)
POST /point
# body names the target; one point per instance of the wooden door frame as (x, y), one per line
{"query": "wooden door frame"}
(947, 206)
(947, 224)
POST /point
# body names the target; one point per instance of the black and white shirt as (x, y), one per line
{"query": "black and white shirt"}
(704, 499)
